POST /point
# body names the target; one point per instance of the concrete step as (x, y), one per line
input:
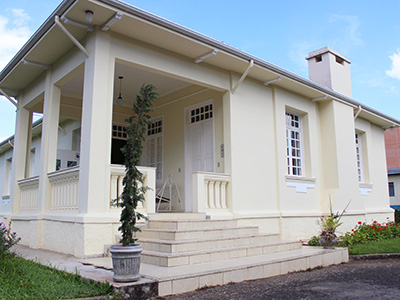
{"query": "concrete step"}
(176, 216)
(199, 234)
(212, 254)
(168, 246)
(188, 278)
(192, 224)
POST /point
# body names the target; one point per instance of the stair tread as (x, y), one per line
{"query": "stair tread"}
(199, 252)
(218, 238)
(162, 274)
(144, 230)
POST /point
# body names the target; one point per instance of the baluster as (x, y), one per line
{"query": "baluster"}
(211, 193)
(76, 192)
(68, 199)
(217, 194)
(120, 185)
(206, 194)
(223, 195)
(113, 189)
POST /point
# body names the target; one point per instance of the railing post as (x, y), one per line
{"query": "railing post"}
(199, 193)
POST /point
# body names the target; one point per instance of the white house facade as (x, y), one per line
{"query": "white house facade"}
(241, 138)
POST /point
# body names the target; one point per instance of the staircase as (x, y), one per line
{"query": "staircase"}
(184, 252)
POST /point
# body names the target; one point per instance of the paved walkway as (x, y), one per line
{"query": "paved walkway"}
(365, 279)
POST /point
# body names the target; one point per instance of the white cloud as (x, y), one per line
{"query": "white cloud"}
(351, 30)
(14, 32)
(394, 71)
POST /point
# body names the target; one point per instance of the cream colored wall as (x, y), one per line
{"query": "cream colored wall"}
(339, 168)
(395, 200)
(374, 166)
(293, 202)
(252, 151)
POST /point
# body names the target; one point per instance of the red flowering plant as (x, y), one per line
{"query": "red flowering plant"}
(7, 239)
(364, 232)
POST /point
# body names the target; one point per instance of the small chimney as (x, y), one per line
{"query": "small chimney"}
(331, 69)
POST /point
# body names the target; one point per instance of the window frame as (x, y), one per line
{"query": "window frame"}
(359, 156)
(294, 134)
(155, 134)
(392, 190)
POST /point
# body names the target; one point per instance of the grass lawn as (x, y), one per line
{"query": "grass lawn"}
(376, 247)
(25, 279)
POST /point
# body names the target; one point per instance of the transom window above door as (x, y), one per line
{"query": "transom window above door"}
(202, 113)
(119, 132)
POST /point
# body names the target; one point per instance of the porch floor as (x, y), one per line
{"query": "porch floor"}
(174, 280)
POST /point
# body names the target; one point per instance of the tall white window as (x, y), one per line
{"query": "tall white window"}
(154, 147)
(294, 144)
(359, 157)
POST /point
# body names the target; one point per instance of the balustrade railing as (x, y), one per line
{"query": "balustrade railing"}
(117, 176)
(64, 189)
(29, 194)
(210, 192)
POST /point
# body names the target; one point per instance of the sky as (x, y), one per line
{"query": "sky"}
(367, 32)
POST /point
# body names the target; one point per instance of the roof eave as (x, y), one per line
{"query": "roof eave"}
(66, 4)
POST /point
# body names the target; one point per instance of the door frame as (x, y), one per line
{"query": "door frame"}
(187, 156)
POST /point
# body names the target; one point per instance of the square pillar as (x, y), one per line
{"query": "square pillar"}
(48, 149)
(20, 153)
(97, 107)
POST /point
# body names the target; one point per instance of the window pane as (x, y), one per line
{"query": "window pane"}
(391, 189)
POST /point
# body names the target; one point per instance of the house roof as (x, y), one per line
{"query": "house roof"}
(8, 143)
(393, 171)
(48, 44)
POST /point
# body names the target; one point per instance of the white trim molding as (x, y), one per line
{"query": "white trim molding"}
(300, 183)
(365, 188)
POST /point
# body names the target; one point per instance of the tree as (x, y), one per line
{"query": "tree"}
(134, 190)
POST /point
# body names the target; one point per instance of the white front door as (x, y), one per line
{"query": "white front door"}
(199, 145)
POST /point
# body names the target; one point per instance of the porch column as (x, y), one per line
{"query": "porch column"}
(20, 153)
(48, 148)
(94, 176)
(227, 116)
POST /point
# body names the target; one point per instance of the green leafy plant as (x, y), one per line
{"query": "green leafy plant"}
(7, 239)
(134, 190)
(330, 223)
(397, 215)
(363, 233)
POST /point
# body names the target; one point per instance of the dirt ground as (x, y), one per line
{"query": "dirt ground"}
(364, 279)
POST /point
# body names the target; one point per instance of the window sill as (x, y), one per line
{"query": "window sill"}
(302, 184)
(365, 188)
(300, 179)
(6, 199)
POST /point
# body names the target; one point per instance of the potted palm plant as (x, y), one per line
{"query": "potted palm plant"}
(329, 224)
(126, 255)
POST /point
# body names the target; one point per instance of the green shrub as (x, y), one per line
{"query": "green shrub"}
(375, 231)
(314, 241)
(397, 215)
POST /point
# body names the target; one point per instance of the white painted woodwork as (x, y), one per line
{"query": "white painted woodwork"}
(29, 194)
(64, 189)
(199, 149)
(210, 192)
